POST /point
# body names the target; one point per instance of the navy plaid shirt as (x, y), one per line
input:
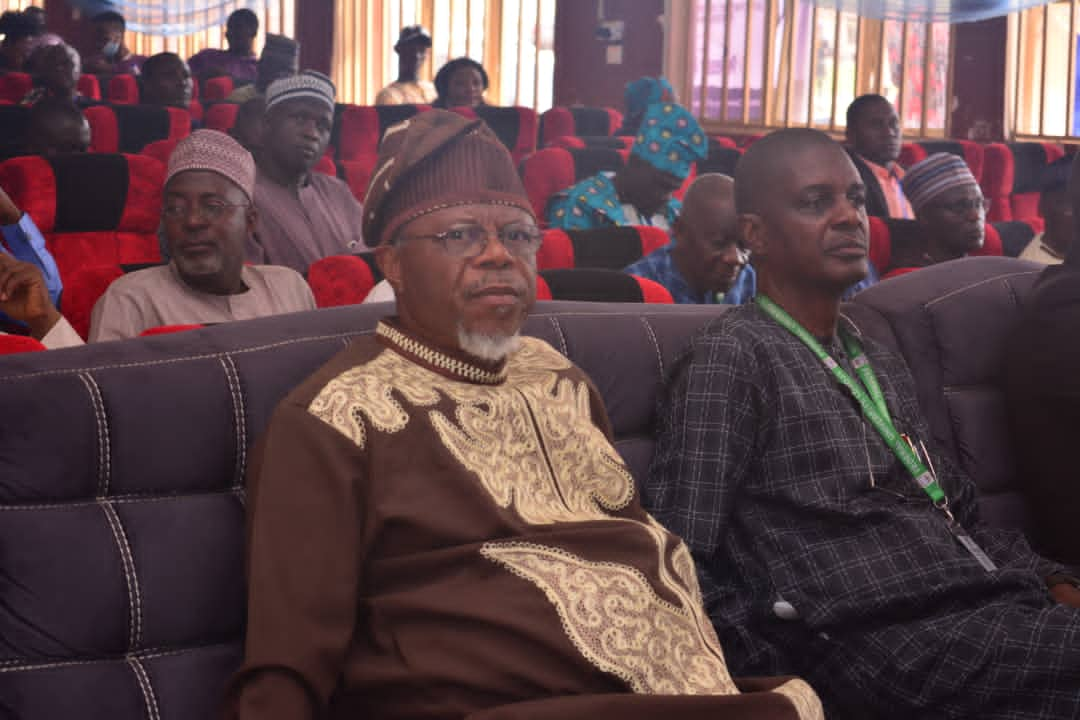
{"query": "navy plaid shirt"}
(819, 555)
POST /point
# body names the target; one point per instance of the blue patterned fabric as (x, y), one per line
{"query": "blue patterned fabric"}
(818, 554)
(646, 91)
(25, 242)
(659, 265)
(594, 203)
(670, 139)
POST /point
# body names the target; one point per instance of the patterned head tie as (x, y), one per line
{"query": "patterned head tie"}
(670, 139)
(928, 179)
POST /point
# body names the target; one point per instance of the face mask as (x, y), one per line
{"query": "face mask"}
(110, 49)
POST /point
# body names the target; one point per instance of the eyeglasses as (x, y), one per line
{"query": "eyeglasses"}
(962, 207)
(469, 241)
(209, 210)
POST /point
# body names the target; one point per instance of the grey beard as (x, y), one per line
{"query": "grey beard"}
(492, 348)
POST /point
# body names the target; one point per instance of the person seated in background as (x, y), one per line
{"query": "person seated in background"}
(280, 59)
(640, 192)
(412, 49)
(303, 215)
(640, 94)
(56, 70)
(1055, 207)
(704, 259)
(18, 31)
(440, 506)
(950, 211)
(111, 56)
(238, 61)
(24, 242)
(461, 82)
(166, 80)
(873, 137)
(55, 127)
(42, 36)
(828, 544)
(24, 297)
(1042, 390)
(249, 124)
(206, 218)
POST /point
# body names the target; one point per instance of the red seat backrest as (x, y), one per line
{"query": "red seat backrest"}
(543, 292)
(217, 88)
(561, 122)
(911, 153)
(11, 344)
(880, 245)
(357, 175)
(602, 285)
(168, 329)
(14, 85)
(991, 243)
(88, 86)
(123, 90)
(545, 173)
(654, 292)
(160, 150)
(81, 292)
(361, 128)
(574, 142)
(326, 166)
(115, 224)
(221, 116)
(340, 280)
(130, 128)
(195, 109)
(997, 180)
(516, 127)
(556, 251)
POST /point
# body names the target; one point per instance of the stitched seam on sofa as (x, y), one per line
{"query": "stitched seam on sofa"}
(1003, 277)
(656, 345)
(128, 562)
(147, 688)
(9, 666)
(117, 500)
(554, 320)
(104, 468)
(186, 358)
(239, 421)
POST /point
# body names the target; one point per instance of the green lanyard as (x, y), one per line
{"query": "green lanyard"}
(867, 393)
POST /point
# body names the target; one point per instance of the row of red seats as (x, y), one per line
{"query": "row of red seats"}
(122, 89)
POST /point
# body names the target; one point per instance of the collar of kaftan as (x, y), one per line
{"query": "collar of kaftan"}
(455, 365)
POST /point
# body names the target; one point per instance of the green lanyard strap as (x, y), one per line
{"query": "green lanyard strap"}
(867, 393)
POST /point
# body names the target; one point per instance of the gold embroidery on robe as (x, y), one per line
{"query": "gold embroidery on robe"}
(802, 696)
(531, 441)
(617, 621)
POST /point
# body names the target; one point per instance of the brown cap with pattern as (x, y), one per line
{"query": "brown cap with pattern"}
(434, 160)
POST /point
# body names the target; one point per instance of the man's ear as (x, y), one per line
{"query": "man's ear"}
(752, 231)
(389, 262)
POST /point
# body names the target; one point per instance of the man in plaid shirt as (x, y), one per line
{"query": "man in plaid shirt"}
(828, 545)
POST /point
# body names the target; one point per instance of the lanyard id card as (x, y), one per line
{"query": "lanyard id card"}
(867, 393)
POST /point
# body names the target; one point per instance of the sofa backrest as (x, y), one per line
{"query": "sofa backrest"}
(122, 469)
(951, 323)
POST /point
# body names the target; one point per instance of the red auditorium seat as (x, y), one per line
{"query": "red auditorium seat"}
(14, 85)
(357, 174)
(972, 153)
(516, 127)
(561, 122)
(724, 141)
(361, 127)
(11, 344)
(123, 90)
(217, 88)
(1012, 176)
(160, 150)
(342, 279)
(168, 329)
(220, 116)
(550, 170)
(93, 208)
(89, 86)
(602, 285)
(130, 128)
(543, 292)
(612, 247)
(82, 289)
(195, 109)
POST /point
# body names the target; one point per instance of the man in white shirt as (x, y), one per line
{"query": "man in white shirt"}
(1049, 247)
(207, 217)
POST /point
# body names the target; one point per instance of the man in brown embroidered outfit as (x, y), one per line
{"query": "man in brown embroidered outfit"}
(439, 525)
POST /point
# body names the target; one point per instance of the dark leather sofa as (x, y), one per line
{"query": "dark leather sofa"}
(122, 465)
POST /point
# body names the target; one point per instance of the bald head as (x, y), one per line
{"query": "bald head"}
(769, 160)
(708, 250)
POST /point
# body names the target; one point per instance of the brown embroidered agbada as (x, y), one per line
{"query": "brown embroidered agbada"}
(432, 537)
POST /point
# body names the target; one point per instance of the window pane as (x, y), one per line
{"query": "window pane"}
(698, 55)
(824, 67)
(914, 69)
(891, 61)
(1029, 82)
(1055, 95)
(800, 64)
(846, 71)
(756, 60)
(939, 77)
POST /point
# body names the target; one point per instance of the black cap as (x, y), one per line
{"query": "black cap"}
(413, 33)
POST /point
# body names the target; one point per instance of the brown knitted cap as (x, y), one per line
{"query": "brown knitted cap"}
(434, 160)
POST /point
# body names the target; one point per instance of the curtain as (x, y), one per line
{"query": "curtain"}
(952, 11)
(169, 18)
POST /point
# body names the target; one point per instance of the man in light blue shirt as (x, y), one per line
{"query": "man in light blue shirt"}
(23, 241)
